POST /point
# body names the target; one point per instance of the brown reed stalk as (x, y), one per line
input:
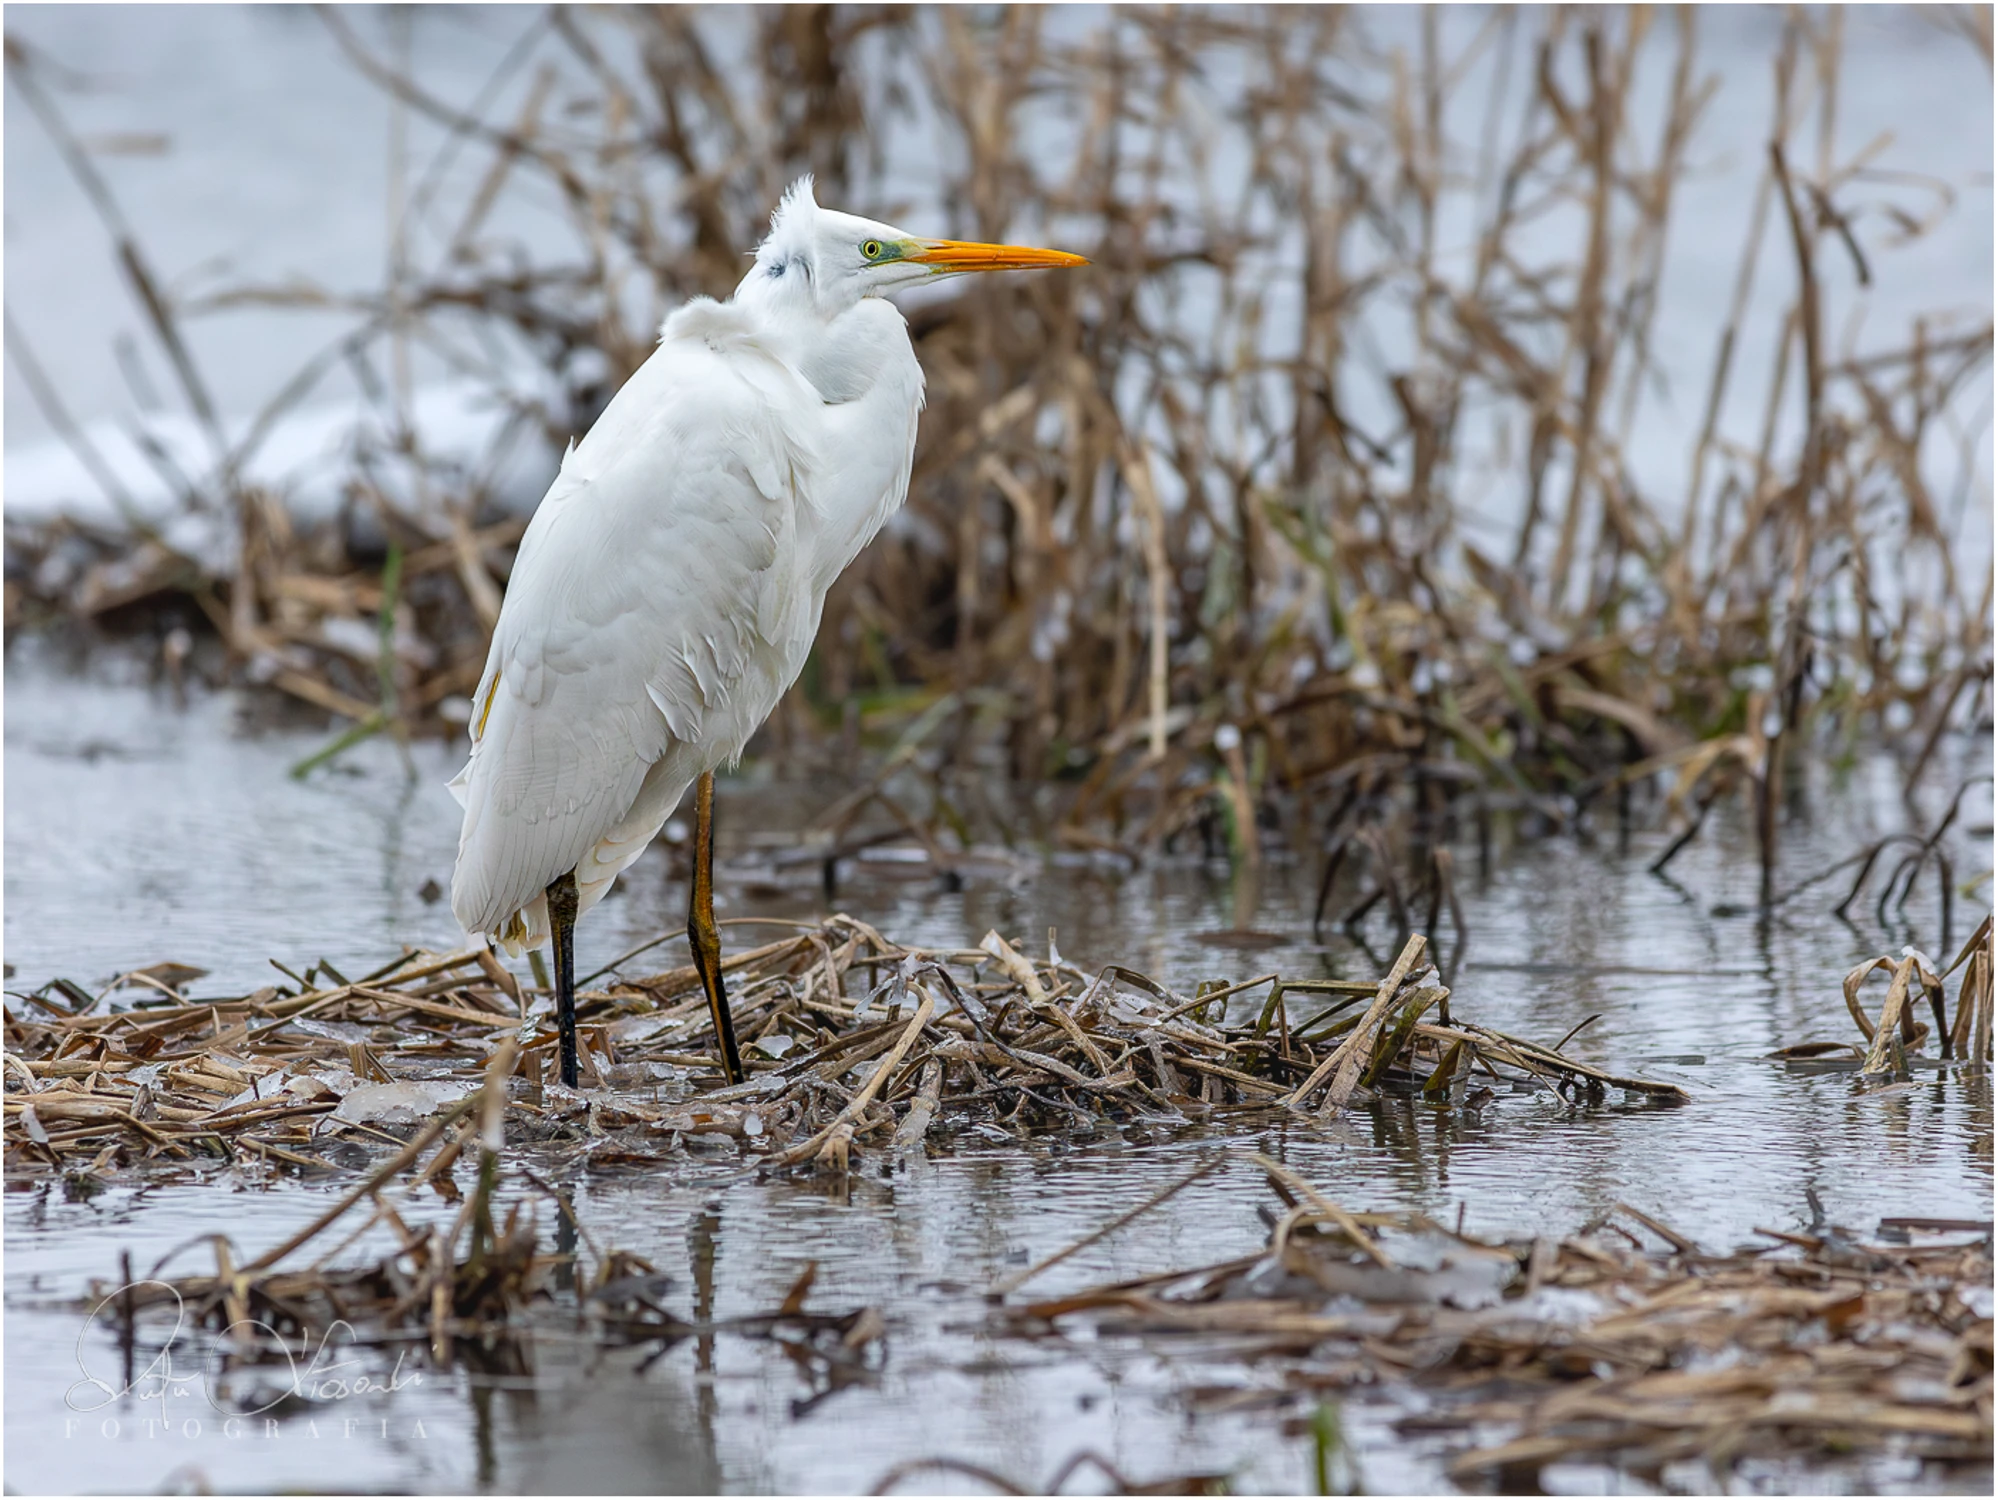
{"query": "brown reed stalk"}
(1193, 487)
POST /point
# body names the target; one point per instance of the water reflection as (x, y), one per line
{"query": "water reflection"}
(136, 834)
(589, 1422)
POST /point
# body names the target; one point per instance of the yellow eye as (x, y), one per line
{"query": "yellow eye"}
(872, 249)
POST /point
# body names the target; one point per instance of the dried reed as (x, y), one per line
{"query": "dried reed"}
(854, 1043)
(1592, 1347)
(1180, 535)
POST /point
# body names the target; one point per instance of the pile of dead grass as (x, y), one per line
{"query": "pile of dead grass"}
(1586, 1348)
(1595, 1348)
(853, 1042)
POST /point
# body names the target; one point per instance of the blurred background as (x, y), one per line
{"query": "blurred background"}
(1499, 417)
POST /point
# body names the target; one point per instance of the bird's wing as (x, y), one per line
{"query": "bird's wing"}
(658, 577)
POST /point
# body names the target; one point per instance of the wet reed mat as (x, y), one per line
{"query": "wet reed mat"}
(1626, 1344)
(852, 1043)
(418, 1094)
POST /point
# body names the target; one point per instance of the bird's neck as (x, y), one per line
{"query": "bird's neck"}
(842, 355)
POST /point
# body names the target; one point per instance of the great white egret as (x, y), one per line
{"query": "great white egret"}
(669, 586)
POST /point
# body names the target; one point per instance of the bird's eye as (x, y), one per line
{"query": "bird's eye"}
(872, 249)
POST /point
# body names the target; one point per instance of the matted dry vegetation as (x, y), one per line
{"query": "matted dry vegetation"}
(1210, 525)
(1591, 1348)
(854, 1043)
(1585, 1348)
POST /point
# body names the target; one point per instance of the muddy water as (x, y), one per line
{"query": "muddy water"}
(137, 831)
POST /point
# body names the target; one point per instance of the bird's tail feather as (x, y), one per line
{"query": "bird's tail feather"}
(596, 873)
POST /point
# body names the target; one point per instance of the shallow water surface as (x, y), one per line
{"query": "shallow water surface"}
(137, 832)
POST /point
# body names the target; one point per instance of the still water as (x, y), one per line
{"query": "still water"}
(138, 831)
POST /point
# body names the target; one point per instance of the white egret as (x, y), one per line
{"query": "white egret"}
(669, 586)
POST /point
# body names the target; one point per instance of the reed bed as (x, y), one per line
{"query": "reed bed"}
(1624, 1344)
(1317, 490)
(1596, 1347)
(855, 1044)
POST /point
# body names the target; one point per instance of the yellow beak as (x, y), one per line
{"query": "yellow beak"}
(964, 255)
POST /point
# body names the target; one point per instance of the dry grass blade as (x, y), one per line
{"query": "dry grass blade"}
(1343, 1066)
(1898, 1035)
(1018, 1279)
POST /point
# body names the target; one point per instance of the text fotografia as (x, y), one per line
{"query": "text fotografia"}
(240, 1429)
(246, 1372)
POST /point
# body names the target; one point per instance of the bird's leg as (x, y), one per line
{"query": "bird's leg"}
(562, 901)
(701, 934)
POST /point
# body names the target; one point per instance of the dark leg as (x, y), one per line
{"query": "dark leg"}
(701, 934)
(562, 898)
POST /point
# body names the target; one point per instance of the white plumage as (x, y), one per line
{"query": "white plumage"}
(669, 586)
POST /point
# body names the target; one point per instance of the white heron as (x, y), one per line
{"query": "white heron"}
(669, 586)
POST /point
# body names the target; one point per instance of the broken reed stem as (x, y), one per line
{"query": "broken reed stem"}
(1352, 1227)
(883, 1071)
(1892, 1015)
(1137, 475)
(1343, 1066)
(1018, 1279)
(382, 1174)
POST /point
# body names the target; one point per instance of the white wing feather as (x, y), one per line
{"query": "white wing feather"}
(660, 605)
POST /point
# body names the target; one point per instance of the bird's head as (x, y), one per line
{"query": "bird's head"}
(835, 259)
